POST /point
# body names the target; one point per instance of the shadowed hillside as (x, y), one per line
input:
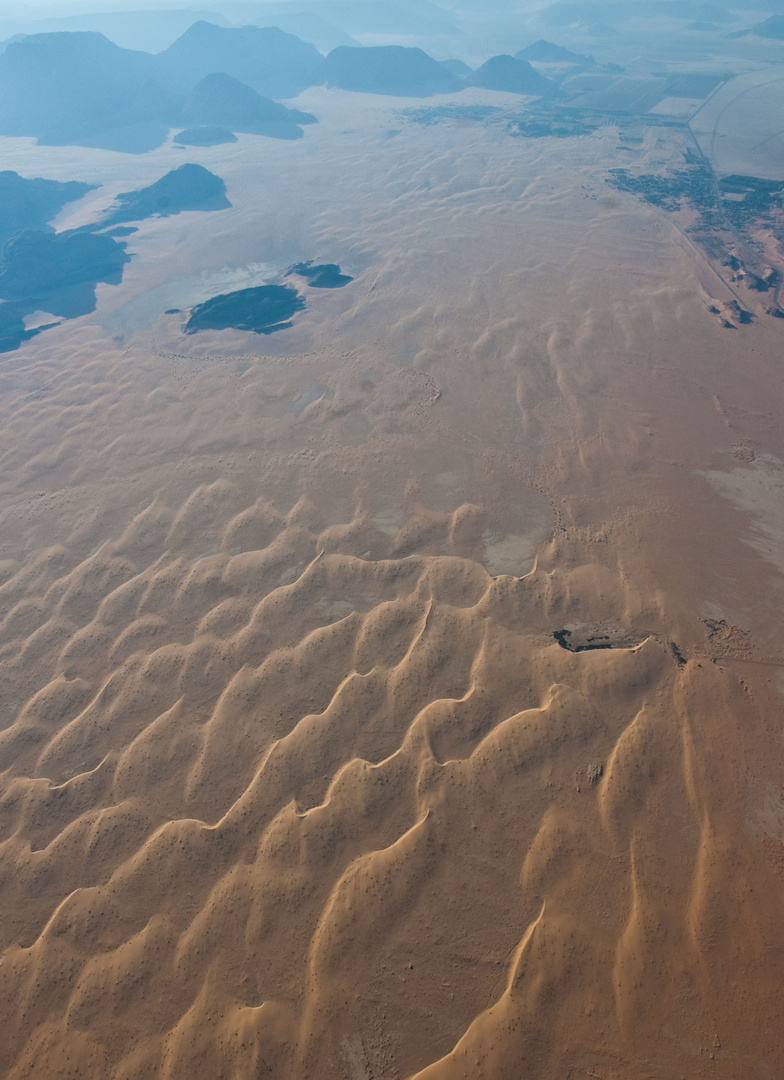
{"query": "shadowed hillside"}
(220, 100)
(386, 69)
(31, 203)
(190, 187)
(511, 75)
(80, 88)
(274, 63)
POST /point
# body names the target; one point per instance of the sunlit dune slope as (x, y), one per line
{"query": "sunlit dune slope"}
(270, 832)
(296, 779)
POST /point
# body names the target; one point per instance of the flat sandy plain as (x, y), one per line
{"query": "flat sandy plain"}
(739, 127)
(296, 781)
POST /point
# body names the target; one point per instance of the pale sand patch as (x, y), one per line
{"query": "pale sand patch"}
(510, 554)
(757, 489)
(390, 521)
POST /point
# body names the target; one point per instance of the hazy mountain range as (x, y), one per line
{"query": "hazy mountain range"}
(215, 79)
(81, 88)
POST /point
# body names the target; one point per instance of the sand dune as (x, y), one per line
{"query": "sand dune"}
(296, 779)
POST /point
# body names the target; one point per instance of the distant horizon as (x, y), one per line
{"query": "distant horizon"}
(42, 9)
(89, 7)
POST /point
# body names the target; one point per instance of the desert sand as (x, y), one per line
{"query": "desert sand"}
(296, 780)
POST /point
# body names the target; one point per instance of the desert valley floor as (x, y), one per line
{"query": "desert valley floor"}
(297, 780)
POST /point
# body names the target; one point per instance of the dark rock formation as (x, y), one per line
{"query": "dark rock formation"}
(323, 276)
(273, 63)
(305, 25)
(545, 52)
(43, 270)
(771, 28)
(511, 75)
(457, 68)
(191, 187)
(205, 136)
(36, 265)
(79, 88)
(223, 101)
(55, 273)
(12, 328)
(262, 310)
(386, 69)
(30, 204)
(58, 272)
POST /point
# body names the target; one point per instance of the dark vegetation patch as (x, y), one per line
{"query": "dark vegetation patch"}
(323, 276)
(439, 114)
(741, 199)
(754, 198)
(676, 652)
(692, 185)
(553, 123)
(539, 120)
(726, 208)
(261, 310)
(563, 637)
